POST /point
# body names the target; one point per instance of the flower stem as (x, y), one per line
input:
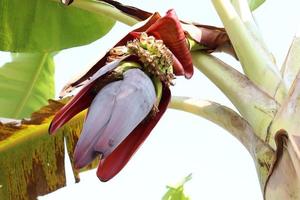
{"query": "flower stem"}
(126, 65)
(158, 89)
(105, 9)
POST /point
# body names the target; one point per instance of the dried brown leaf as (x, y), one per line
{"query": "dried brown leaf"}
(38, 158)
(214, 39)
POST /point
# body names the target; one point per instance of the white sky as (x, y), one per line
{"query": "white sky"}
(182, 143)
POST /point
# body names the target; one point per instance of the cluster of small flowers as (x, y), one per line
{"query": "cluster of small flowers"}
(155, 56)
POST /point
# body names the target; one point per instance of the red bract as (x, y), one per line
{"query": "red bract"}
(167, 29)
(170, 31)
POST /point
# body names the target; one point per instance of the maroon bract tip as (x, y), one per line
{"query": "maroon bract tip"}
(168, 29)
(77, 104)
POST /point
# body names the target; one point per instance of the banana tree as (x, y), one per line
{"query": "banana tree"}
(264, 96)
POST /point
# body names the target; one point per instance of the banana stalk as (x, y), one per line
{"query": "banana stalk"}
(256, 106)
(255, 61)
(231, 121)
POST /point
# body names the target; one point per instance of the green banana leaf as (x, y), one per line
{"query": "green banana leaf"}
(26, 83)
(177, 192)
(253, 4)
(32, 161)
(46, 26)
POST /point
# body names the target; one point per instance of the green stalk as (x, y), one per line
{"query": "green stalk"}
(243, 10)
(218, 114)
(126, 65)
(231, 121)
(257, 107)
(105, 9)
(256, 64)
(158, 89)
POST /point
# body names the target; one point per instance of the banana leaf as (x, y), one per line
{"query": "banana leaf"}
(32, 161)
(254, 4)
(26, 83)
(47, 26)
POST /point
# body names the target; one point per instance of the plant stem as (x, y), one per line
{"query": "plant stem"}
(243, 10)
(218, 114)
(256, 64)
(231, 121)
(105, 9)
(255, 106)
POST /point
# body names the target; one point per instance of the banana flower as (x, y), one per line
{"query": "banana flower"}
(126, 93)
